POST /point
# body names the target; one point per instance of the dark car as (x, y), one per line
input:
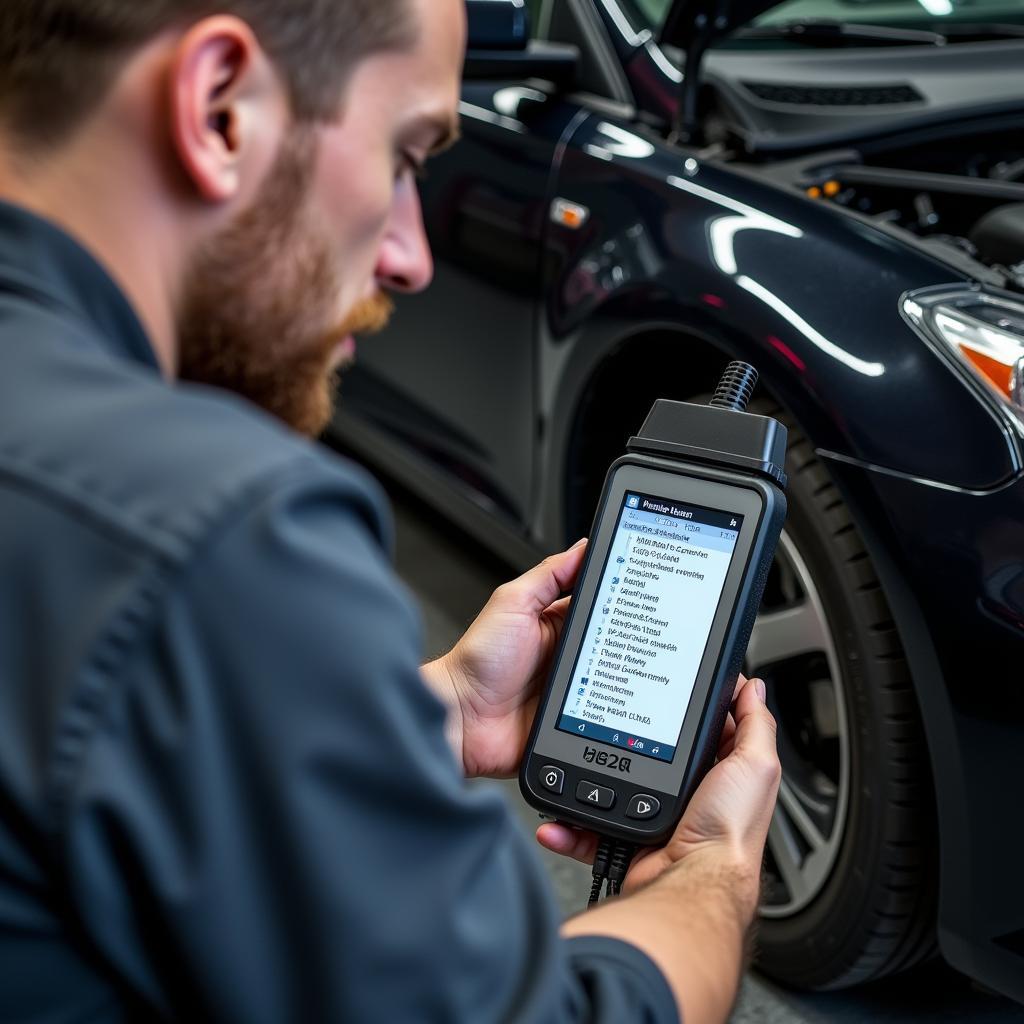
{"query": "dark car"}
(834, 192)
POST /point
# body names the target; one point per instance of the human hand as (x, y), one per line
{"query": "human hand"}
(725, 825)
(492, 677)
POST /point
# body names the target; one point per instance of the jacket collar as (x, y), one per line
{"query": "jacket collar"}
(43, 263)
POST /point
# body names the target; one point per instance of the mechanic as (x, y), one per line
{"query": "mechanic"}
(227, 787)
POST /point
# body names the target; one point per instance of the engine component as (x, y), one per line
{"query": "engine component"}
(999, 235)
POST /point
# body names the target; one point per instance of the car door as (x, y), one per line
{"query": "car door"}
(453, 376)
(449, 389)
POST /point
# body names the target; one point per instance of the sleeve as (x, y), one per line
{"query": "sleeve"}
(269, 826)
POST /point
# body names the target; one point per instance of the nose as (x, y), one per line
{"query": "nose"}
(405, 263)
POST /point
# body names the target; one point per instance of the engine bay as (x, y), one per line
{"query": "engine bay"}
(962, 191)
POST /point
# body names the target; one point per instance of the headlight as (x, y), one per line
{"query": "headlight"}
(983, 332)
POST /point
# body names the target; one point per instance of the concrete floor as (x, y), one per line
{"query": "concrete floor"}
(452, 578)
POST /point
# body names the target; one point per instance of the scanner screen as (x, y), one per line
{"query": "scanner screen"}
(660, 588)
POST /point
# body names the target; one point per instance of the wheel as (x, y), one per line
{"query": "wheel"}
(851, 867)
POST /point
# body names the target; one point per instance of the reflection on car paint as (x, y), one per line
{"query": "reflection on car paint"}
(869, 369)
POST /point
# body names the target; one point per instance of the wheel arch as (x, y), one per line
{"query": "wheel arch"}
(628, 369)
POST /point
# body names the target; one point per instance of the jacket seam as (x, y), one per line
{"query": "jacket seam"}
(101, 514)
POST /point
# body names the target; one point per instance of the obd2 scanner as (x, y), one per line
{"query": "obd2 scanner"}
(679, 553)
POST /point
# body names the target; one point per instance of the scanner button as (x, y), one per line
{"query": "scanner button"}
(552, 778)
(594, 795)
(642, 807)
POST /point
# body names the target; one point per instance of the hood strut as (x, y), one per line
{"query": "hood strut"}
(694, 26)
(685, 125)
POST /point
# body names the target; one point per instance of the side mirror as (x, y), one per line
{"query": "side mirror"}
(499, 46)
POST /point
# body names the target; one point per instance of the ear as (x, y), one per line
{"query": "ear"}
(223, 98)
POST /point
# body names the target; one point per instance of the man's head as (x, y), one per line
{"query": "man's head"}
(263, 151)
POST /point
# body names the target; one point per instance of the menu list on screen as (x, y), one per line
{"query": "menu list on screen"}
(659, 591)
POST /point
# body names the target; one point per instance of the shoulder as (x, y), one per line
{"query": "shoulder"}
(213, 455)
(161, 462)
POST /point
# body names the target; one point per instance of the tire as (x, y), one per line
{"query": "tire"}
(855, 764)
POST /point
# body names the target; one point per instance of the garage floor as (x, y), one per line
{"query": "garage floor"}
(452, 579)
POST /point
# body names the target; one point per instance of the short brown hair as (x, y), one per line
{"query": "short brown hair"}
(58, 58)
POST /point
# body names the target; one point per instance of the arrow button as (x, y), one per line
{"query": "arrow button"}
(594, 795)
(642, 807)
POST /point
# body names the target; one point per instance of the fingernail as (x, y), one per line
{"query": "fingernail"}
(759, 688)
(579, 543)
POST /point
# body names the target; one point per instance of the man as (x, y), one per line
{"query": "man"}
(227, 790)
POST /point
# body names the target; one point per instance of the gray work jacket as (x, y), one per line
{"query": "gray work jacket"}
(225, 793)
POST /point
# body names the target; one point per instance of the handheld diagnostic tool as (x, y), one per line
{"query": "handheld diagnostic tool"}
(679, 552)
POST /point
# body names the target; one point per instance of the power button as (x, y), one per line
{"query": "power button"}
(552, 778)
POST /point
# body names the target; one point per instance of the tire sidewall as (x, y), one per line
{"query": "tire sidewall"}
(827, 933)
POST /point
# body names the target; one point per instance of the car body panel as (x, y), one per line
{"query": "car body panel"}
(485, 207)
(697, 246)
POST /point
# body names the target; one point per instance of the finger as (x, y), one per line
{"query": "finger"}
(545, 583)
(741, 681)
(755, 735)
(750, 699)
(557, 612)
(569, 842)
(725, 744)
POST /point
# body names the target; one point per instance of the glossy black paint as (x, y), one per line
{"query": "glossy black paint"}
(721, 252)
(496, 392)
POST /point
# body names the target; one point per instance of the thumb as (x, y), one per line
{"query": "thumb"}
(755, 736)
(542, 585)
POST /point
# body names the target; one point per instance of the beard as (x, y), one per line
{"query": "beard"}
(259, 302)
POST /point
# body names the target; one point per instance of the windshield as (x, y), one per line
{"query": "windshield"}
(931, 15)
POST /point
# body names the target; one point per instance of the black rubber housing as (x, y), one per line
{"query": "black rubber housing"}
(714, 436)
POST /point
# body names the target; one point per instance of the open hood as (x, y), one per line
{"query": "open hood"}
(694, 26)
